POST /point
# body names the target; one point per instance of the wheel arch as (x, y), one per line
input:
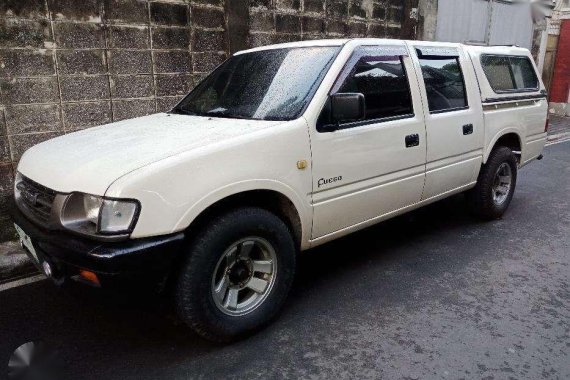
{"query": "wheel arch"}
(281, 201)
(509, 138)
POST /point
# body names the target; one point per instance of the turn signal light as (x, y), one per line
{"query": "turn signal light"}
(89, 276)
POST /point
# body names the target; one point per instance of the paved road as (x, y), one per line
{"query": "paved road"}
(433, 294)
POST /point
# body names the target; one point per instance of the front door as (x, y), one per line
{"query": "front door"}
(375, 167)
(454, 121)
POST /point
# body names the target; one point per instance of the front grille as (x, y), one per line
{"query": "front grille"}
(37, 199)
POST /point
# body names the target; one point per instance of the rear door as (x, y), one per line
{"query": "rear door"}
(453, 117)
(373, 167)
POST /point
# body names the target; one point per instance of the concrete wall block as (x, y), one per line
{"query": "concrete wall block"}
(20, 143)
(25, 33)
(78, 35)
(261, 4)
(376, 30)
(287, 23)
(84, 88)
(336, 28)
(378, 12)
(6, 178)
(208, 17)
(33, 118)
(29, 90)
(84, 115)
(129, 37)
(126, 11)
(209, 40)
(167, 103)
(284, 38)
(309, 37)
(169, 14)
(7, 231)
(358, 8)
(132, 86)
(26, 63)
(172, 61)
(393, 32)
(260, 39)
(396, 14)
(313, 25)
(130, 61)
(317, 6)
(289, 5)
(24, 9)
(172, 85)
(262, 21)
(357, 29)
(126, 109)
(3, 131)
(337, 8)
(207, 61)
(4, 149)
(217, 3)
(81, 61)
(84, 10)
(170, 38)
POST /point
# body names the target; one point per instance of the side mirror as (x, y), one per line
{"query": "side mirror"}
(347, 107)
(341, 107)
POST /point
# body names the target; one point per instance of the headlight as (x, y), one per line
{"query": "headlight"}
(90, 214)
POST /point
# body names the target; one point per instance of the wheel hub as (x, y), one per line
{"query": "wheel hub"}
(240, 273)
(502, 183)
(244, 276)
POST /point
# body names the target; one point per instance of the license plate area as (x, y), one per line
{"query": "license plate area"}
(27, 243)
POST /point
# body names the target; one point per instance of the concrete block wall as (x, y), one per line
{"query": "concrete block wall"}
(277, 21)
(67, 65)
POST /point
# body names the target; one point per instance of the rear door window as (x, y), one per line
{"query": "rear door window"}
(444, 83)
(509, 73)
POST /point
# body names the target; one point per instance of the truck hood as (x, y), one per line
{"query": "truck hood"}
(92, 159)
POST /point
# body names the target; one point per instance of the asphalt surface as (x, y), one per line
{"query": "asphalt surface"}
(429, 295)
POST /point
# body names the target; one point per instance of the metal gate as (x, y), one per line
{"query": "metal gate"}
(485, 22)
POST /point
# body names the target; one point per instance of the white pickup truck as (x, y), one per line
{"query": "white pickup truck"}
(281, 148)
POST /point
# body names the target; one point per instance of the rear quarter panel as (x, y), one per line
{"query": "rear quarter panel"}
(522, 113)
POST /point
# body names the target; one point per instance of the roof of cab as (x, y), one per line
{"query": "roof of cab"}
(510, 50)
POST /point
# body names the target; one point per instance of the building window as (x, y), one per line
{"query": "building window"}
(509, 74)
(444, 83)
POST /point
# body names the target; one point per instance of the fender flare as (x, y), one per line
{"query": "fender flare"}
(301, 206)
(496, 138)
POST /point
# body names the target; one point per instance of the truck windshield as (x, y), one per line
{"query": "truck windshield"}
(272, 84)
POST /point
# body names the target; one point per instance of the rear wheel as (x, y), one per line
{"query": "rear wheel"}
(491, 197)
(237, 274)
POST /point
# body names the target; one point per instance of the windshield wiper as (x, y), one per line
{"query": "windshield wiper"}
(224, 114)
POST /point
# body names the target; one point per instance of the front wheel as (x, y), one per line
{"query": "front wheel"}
(491, 197)
(237, 274)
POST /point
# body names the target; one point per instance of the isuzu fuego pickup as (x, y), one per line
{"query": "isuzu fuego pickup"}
(281, 148)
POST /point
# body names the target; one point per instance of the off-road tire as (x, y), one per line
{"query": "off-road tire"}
(480, 198)
(193, 295)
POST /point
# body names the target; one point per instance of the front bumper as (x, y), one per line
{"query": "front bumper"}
(146, 261)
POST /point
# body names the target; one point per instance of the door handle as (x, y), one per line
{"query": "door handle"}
(467, 129)
(412, 140)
